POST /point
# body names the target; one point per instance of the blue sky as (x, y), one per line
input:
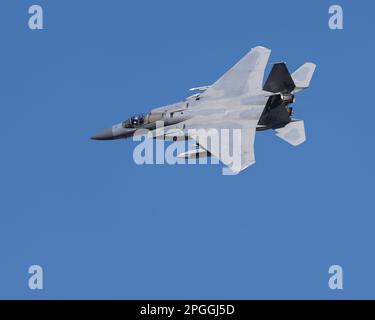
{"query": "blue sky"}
(103, 227)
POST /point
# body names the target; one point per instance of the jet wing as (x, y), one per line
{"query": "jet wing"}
(246, 77)
(234, 144)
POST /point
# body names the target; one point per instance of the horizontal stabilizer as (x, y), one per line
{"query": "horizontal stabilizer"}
(293, 132)
(303, 75)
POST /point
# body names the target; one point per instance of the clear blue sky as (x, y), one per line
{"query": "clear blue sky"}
(103, 227)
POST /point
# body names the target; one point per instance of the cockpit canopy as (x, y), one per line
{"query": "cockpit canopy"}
(142, 119)
(135, 121)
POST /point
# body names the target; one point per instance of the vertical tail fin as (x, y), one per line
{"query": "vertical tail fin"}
(279, 80)
(303, 75)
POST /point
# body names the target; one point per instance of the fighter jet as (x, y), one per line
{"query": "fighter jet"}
(240, 99)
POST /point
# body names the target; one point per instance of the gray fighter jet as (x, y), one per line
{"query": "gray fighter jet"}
(237, 100)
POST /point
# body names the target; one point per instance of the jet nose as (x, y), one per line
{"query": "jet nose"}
(106, 134)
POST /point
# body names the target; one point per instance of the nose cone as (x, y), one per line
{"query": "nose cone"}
(106, 134)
